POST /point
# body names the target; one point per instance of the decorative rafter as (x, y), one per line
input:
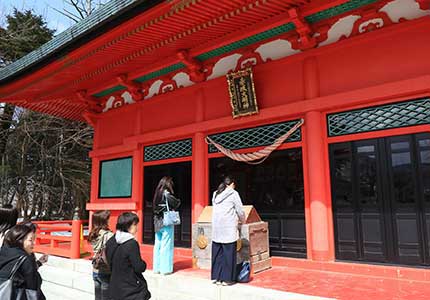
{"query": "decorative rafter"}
(306, 39)
(93, 105)
(134, 88)
(195, 67)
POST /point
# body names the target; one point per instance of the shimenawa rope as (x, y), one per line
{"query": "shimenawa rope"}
(261, 155)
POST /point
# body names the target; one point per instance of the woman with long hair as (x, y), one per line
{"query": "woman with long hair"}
(19, 244)
(227, 212)
(164, 235)
(123, 255)
(8, 218)
(98, 237)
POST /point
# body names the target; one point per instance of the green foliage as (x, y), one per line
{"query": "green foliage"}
(44, 164)
(24, 32)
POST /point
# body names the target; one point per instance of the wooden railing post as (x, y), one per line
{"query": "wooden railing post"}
(75, 249)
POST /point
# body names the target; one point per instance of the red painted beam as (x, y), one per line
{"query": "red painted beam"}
(385, 93)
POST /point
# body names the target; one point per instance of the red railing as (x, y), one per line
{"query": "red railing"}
(62, 238)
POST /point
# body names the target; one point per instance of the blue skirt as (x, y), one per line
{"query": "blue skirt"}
(223, 262)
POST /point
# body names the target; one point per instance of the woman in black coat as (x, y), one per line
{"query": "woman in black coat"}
(19, 242)
(127, 266)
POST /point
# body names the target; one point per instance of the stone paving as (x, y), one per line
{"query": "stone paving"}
(73, 278)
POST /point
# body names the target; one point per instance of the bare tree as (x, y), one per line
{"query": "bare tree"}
(45, 168)
(77, 10)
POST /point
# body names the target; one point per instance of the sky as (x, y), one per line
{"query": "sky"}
(46, 8)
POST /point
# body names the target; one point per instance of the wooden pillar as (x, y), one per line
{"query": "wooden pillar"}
(137, 189)
(199, 162)
(320, 231)
(95, 169)
(199, 176)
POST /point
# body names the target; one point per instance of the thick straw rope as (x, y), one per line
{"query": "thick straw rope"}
(262, 155)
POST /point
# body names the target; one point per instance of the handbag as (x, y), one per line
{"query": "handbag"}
(244, 272)
(99, 260)
(170, 217)
(7, 288)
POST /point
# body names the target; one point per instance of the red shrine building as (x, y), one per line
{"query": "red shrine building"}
(350, 184)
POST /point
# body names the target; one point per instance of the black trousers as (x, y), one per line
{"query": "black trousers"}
(101, 286)
(223, 262)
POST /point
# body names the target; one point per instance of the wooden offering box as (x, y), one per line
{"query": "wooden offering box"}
(253, 244)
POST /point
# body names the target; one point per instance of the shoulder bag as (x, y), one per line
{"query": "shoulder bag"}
(99, 260)
(170, 217)
(7, 288)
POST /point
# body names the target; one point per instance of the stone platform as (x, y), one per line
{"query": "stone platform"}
(69, 279)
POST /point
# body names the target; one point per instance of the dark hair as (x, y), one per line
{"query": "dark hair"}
(227, 181)
(125, 221)
(100, 220)
(165, 183)
(16, 235)
(30, 224)
(8, 217)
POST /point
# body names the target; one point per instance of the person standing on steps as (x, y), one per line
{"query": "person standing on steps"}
(164, 235)
(98, 237)
(18, 250)
(126, 264)
(227, 212)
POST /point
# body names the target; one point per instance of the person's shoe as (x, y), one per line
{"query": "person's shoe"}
(218, 283)
(227, 283)
(214, 281)
(164, 274)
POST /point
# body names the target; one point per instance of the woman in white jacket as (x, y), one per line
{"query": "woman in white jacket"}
(227, 212)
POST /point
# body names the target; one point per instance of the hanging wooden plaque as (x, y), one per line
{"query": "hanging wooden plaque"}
(242, 93)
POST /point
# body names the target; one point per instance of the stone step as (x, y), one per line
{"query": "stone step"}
(54, 291)
(72, 279)
(77, 265)
(67, 278)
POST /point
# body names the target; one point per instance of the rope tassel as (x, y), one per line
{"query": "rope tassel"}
(260, 155)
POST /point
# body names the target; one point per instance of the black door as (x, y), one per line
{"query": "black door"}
(275, 188)
(381, 199)
(181, 174)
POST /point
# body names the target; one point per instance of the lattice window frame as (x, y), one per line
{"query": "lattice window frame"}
(175, 149)
(257, 134)
(381, 117)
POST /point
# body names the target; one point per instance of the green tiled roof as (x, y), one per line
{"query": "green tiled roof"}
(106, 12)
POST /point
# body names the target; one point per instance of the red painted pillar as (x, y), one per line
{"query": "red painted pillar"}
(95, 169)
(200, 167)
(319, 202)
(199, 176)
(137, 189)
(320, 231)
(75, 247)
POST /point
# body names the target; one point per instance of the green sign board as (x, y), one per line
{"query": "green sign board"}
(115, 178)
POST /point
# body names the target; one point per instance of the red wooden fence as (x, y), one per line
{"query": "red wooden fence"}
(63, 238)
